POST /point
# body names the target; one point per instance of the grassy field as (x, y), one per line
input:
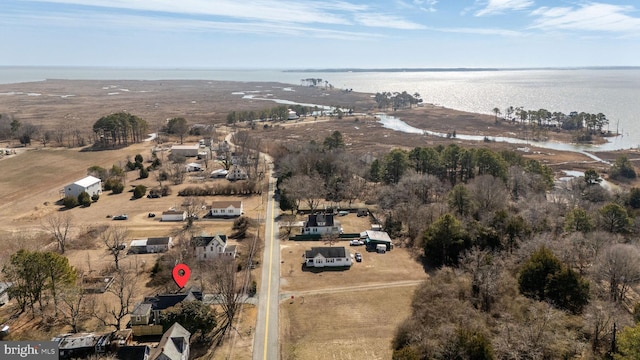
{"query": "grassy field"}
(344, 325)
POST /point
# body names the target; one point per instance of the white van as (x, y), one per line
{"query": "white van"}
(381, 248)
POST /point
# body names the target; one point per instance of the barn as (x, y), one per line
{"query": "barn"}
(92, 185)
(185, 150)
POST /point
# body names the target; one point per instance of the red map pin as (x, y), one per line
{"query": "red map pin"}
(181, 273)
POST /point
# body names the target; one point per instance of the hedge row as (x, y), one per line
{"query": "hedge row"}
(228, 189)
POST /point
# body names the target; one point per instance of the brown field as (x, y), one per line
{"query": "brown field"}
(349, 314)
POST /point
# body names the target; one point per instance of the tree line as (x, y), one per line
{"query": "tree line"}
(591, 123)
(396, 100)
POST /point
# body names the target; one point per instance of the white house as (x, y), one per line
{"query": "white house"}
(174, 215)
(327, 257)
(159, 244)
(237, 173)
(185, 150)
(212, 247)
(292, 115)
(92, 185)
(321, 224)
(226, 209)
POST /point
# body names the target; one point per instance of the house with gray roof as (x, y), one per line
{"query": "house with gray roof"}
(174, 344)
(320, 257)
(213, 247)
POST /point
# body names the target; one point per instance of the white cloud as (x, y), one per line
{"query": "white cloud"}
(500, 6)
(426, 5)
(480, 31)
(597, 17)
(267, 10)
(163, 23)
(386, 21)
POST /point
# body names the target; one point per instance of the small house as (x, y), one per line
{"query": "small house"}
(90, 184)
(226, 209)
(174, 344)
(213, 247)
(237, 173)
(159, 244)
(320, 257)
(174, 215)
(321, 224)
(141, 314)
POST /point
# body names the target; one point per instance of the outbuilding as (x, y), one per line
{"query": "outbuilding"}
(159, 244)
(174, 215)
(374, 238)
(92, 185)
(185, 150)
(193, 167)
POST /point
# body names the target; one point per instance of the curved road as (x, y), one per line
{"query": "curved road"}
(265, 342)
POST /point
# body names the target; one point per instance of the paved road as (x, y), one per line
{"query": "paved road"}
(265, 342)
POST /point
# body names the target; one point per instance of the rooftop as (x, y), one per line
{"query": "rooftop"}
(327, 252)
(226, 204)
(87, 181)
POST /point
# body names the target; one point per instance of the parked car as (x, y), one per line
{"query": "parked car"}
(343, 213)
(356, 242)
(121, 217)
(152, 215)
(153, 196)
(358, 257)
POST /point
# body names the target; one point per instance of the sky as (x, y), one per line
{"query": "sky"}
(318, 34)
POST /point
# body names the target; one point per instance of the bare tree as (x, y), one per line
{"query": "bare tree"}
(123, 287)
(176, 172)
(484, 268)
(74, 306)
(224, 282)
(193, 206)
(619, 267)
(489, 193)
(58, 225)
(114, 239)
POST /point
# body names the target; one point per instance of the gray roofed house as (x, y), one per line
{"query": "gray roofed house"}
(174, 344)
(212, 247)
(159, 244)
(321, 224)
(338, 256)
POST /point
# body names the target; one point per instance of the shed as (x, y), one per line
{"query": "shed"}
(159, 244)
(138, 246)
(372, 238)
(92, 185)
(174, 215)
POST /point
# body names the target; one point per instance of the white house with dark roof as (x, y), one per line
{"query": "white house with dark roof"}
(213, 247)
(226, 209)
(321, 224)
(92, 185)
(150, 245)
(319, 257)
(237, 173)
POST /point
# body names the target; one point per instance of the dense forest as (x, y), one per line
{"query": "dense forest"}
(521, 266)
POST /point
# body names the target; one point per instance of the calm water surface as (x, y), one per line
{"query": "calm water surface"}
(614, 92)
